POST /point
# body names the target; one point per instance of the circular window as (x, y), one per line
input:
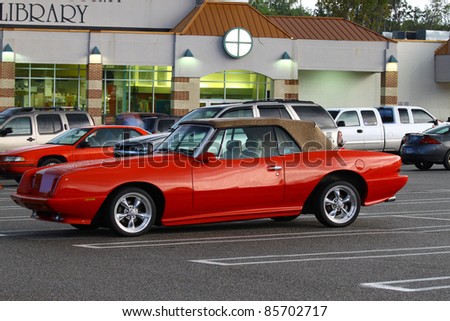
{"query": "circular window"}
(237, 42)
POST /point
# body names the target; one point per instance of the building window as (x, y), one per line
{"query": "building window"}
(235, 85)
(48, 85)
(136, 89)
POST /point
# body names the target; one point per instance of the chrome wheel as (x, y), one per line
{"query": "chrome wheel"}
(339, 205)
(132, 212)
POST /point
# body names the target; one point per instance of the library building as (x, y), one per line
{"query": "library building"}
(172, 56)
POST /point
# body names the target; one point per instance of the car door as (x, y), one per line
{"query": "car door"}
(373, 131)
(353, 131)
(233, 182)
(100, 143)
(22, 133)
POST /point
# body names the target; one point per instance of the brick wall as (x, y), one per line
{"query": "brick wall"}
(389, 88)
(185, 95)
(7, 84)
(94, 92)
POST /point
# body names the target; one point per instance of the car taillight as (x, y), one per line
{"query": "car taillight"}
(428, 140)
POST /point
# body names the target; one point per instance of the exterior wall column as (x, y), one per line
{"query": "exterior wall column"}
(7, 84)
(94, 91)
(185, 95)
(389, 87)
(285, 89)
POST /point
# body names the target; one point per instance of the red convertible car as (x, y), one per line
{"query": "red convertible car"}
(91, 142)
(214, 171)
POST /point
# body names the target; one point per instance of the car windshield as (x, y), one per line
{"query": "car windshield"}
(199, 113)
(70, 137)
(186, 139)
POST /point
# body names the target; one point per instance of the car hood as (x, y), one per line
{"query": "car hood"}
(45, 148)
(146, 138)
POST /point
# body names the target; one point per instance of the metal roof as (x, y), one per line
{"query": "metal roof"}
(214, 19)
(325, 28)
(444, 49)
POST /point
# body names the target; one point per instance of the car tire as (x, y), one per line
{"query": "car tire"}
(50, 162)
(338, 204)
(131, 211)
(423, 166)
(447, 160)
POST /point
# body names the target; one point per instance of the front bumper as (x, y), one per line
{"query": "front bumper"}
(76, 210)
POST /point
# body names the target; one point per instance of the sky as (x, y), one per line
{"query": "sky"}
(310, 4)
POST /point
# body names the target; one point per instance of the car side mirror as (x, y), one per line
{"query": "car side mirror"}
(206, 157)
(341, 123)
(6, 131)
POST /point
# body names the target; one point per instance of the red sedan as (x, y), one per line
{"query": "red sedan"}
(214, 171)
(91, 142)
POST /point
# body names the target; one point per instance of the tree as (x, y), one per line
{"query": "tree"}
(371, 14)
(280, 8)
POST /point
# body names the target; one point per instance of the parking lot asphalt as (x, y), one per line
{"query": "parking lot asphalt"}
(394, 251)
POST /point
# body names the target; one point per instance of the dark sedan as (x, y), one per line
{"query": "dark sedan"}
(136, 146)
(427, 148)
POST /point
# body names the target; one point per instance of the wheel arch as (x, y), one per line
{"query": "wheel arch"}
(344, 175)
(156, 194)
(46, 157)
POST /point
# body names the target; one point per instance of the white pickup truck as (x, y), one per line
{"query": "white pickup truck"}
(382, 128)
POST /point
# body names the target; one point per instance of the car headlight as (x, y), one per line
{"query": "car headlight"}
(12, 159)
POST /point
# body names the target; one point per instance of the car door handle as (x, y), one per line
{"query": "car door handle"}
(274, 168)
(359, 131)
(30, 139)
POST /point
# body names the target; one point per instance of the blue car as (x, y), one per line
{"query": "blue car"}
(427, 148)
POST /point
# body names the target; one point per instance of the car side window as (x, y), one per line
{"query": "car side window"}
(350, 118)
(165, 124)
(241, 112)
(274, 112)
(369, 118)
(19, 126)
(387, 115)
(246, 142)
(49, 123)
(104, 137)
(421, 117)
(286, 145)
(127, 133)
(403, 114)
(77, 120)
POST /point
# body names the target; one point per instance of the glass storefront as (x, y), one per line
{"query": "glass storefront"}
(129, 88)
(50, 85)
(136, 88)
(235, 85)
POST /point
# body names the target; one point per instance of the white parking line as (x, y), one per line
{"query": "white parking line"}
(16, 218)
(257, 238)
(327, 256)
(426, 284)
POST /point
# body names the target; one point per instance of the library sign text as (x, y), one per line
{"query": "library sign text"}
(39, 13)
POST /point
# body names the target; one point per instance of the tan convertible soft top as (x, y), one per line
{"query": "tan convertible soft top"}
(306, 133)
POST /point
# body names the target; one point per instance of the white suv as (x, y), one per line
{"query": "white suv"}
(289, 109)
(21, 127)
